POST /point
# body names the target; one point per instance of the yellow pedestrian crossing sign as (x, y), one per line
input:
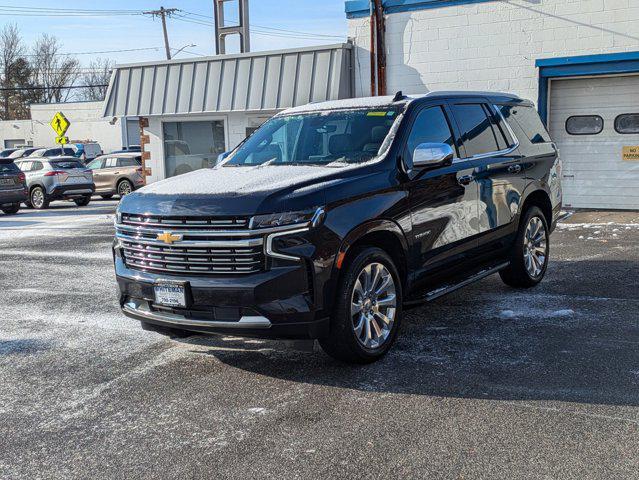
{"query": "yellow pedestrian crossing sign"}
(60, 124)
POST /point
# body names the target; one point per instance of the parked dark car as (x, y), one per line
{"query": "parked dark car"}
(57, 178)
(332, 218)
(13, 187)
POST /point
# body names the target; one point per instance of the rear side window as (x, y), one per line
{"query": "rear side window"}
(584, 125)
(627, 123)
(528, 120)
(476, 129)
(35, 166)
(8, 167)
(430, 126)
(128, 162)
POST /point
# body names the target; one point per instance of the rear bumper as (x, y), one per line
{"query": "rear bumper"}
(72, 190)
(270, 304)
(10, 197)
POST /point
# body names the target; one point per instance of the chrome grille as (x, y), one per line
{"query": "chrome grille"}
(211, 248)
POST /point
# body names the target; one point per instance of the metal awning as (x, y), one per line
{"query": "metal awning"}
(227, 83)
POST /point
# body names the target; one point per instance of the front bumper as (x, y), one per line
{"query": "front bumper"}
(277, 303)
(13, 196)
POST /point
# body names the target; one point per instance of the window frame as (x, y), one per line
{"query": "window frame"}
(622, 115)
(497, 120)
(603, 125)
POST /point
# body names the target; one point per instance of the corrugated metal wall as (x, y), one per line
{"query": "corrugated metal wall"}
(250, 82)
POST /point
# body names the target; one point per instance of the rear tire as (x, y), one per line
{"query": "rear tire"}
(107, 197)
(83, 202)
(39, 199)
(166, 331)
(368, 309)
(530, 252)
(12, 210)
(124, 188)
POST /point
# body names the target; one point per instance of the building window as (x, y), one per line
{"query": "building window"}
(627, 123)
(190, 146)
(584, 125)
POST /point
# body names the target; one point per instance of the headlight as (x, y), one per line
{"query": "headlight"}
(287, 218)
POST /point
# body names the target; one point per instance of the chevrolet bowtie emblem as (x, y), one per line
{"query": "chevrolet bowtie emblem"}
(169, 238)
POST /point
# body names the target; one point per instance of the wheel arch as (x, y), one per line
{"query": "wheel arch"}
(539, 198)
(382, 233)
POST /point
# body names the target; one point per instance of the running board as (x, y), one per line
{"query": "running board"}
(445, 290)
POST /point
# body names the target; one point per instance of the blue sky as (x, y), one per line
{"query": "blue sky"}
(87, 34)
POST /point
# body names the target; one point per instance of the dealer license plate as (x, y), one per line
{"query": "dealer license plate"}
(6, 181)
(170, 295)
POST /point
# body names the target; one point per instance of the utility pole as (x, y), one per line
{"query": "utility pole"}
(163, 13)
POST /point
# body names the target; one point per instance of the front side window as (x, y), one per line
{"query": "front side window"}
(627, 123)
(190, 146)
(331, 138)
(96, 164)
(584, 125)
(430, 126)
(476, 129)
(111, 162)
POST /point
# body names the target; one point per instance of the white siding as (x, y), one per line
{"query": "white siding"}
(492, 45)
(594, 173)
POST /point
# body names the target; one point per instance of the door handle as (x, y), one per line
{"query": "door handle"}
(465, 180)
(514, 169)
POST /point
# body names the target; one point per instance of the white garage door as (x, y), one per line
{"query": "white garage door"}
(595, 124)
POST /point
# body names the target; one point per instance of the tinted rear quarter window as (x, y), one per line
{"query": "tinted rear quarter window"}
(627, 123)
(528, 120)
(476, 129)
(128, 162)
(584, 125)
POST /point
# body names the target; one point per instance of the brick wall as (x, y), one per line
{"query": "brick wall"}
(492, 45)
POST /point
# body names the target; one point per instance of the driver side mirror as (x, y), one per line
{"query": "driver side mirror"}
(432, 155)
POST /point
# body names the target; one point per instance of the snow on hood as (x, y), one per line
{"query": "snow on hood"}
(353, 103)
(238, 180)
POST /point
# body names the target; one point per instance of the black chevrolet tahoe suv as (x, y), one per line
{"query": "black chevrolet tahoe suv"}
(333, 217)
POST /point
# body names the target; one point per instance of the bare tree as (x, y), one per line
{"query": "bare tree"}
(96, 79)
(11, 49)
(52, 70)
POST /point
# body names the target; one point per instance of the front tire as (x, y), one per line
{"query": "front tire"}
(368, 309)
(530, 253)
(38, 199)
(83, 202)
(12, 210)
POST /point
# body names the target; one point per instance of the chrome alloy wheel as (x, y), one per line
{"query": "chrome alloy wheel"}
(373, 305)
(124, 188)
(37, 198)
(535, 247)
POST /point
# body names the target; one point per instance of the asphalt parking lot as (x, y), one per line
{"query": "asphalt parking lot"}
(486, 383)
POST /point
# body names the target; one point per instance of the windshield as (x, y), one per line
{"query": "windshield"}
(321, 138)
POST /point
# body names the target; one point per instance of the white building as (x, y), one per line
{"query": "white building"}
(87, 124)
(192, 110)
(578, 60)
